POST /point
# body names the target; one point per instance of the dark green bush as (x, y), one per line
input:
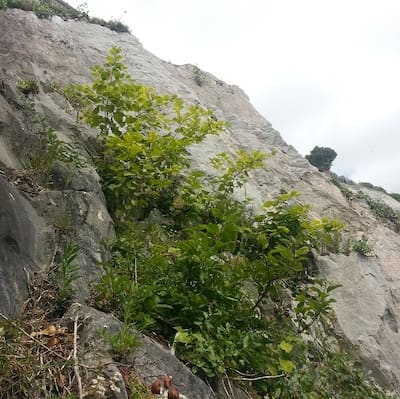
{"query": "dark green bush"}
(362, 246)
(117, 26)
(43, 9)
(322, 158)
(26, 5)
(383, 211)
(28, 87)
(113, 24)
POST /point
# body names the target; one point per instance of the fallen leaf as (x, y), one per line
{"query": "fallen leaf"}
(49, 331)
(52, 341)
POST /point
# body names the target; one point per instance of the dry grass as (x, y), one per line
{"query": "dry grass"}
(35, 351)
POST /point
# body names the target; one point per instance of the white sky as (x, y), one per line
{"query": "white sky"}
(322, 72)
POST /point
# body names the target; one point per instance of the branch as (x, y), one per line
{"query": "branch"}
(75, 357)
(263, 377)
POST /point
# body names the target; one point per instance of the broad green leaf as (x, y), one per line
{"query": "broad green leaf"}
(182, 336)
(286, 346)
(286, 365)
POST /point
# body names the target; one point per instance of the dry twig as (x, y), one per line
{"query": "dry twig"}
(263, 377)
(30, 337)
(75, 357)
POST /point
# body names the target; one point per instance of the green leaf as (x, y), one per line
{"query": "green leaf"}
(182, 336)
(286, 346)
(286, 365)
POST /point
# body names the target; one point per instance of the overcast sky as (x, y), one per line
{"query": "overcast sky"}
(322, 72)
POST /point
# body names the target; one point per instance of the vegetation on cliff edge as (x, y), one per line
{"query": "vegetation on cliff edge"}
(233, 292)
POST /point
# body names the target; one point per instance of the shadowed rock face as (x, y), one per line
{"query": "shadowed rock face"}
(21, 233)
(62, 52)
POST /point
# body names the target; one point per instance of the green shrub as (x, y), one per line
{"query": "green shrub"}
(113, 24)
(43, 9)
(145, 137)
(383, 211)
(26, 5)
(51, 87)
(322, 158)
(230, 290)
(28, 87)
(137, 389)
(50, 148)
(339, 183)
(123, 341)
(117, 26)
(362, 247)
(335, 376)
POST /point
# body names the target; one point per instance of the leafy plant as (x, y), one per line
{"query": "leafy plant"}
(49, 149)
(26, 5)
(51, 87)
(362, 246)
(137, 389)
(383, 211)
(145, 137)
(333, 375)
(66, 275)
(122, 341)
(117, 26)
(28, 87)
(322, 158)
(313, 303)
(348, 194)
(43, 9)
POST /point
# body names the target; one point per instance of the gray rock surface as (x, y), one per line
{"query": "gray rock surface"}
(62, 51)
(26, 246)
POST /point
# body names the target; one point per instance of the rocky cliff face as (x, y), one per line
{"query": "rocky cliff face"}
(61, 52)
